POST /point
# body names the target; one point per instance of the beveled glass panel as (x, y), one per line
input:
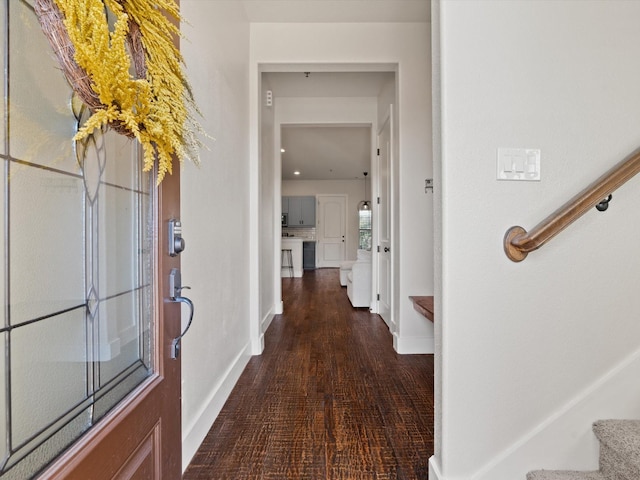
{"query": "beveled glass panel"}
(146, 236)
(48, 370)
(92, 157)
(4, 452)
(117, 391)
(26, 466)
(3, 61)
(118, 233)
(46, 235)
(40, 116)
(122, 169)
(120, 327)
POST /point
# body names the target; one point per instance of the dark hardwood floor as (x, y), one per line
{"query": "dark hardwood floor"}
(328, 399)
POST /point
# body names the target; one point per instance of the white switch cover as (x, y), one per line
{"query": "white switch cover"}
(518, 164)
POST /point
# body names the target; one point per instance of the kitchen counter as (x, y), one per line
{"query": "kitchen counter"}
(295, 244)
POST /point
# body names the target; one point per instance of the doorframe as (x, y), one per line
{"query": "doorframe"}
(260, 316)
(277, 193)
(388, 117)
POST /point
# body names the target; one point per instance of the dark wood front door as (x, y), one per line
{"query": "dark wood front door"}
(87, 386)
(141, 437)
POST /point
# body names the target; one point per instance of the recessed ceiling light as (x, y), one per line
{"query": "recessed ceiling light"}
(282, 150)
(296, 172)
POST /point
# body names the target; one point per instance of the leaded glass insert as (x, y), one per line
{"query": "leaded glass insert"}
(77, 269)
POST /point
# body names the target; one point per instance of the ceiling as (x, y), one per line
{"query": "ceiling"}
(337, 11)
(330, 152)
(327, 152)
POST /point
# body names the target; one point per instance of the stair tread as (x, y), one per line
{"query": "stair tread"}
(564, 475)
(619, 434)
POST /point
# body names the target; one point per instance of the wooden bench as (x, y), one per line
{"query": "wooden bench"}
(423, 305)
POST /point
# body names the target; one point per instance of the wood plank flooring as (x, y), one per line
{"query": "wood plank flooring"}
(328, 399)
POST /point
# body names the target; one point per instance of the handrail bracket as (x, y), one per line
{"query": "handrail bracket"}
(513, 252)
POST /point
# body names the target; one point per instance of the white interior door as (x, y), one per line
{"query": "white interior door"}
(384, 219)
(331, 230)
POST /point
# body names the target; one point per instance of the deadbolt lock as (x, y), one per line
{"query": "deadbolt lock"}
(176, 242)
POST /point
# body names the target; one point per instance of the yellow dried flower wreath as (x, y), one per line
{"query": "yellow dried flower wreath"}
(119, 55)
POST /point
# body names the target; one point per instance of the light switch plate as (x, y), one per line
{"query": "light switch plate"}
(520, 164)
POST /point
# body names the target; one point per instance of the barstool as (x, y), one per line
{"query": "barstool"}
(286, 255)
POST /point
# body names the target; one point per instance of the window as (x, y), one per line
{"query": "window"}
(364, 233)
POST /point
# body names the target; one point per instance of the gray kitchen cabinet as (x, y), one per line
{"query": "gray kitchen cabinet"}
(301, 211)
(285, 204)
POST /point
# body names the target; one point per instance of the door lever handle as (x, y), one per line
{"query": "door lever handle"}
(175, 288)
(386, 249)
(175, 343)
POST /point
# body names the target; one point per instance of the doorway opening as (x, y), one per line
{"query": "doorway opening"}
(309, 118)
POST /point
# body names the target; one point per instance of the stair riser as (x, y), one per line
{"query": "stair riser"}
(615, 467)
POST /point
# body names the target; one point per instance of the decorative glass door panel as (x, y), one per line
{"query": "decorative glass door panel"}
(77, 265)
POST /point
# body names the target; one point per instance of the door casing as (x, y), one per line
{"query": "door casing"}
(383, 225)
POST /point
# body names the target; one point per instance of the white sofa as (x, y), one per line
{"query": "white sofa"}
(359, 280)
(345, 269)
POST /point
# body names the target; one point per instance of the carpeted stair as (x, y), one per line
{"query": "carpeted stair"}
(619, 454)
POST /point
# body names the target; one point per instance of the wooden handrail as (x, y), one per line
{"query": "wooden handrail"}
(518, 242)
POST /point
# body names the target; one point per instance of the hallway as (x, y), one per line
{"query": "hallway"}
(328, 399)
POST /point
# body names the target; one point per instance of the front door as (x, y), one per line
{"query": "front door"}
(331, 228)
(87, 386)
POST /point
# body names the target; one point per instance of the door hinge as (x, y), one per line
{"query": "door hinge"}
(428, 185)
(378, 200)
(378, 248)
(378, 152)
(378, 296)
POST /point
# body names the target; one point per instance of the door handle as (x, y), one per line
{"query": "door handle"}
(387, 249)
(175, 290)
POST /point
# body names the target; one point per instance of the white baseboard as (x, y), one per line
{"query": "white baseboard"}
(266, 321)
(257, 344)
(434, 469)
(565, 439)
(391, 325)
(413, 345)
(194, 433)
(279, 308)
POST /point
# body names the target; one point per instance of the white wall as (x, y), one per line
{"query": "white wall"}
(353, 189)
(215, 205)
(524, 345)
(407, 46)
